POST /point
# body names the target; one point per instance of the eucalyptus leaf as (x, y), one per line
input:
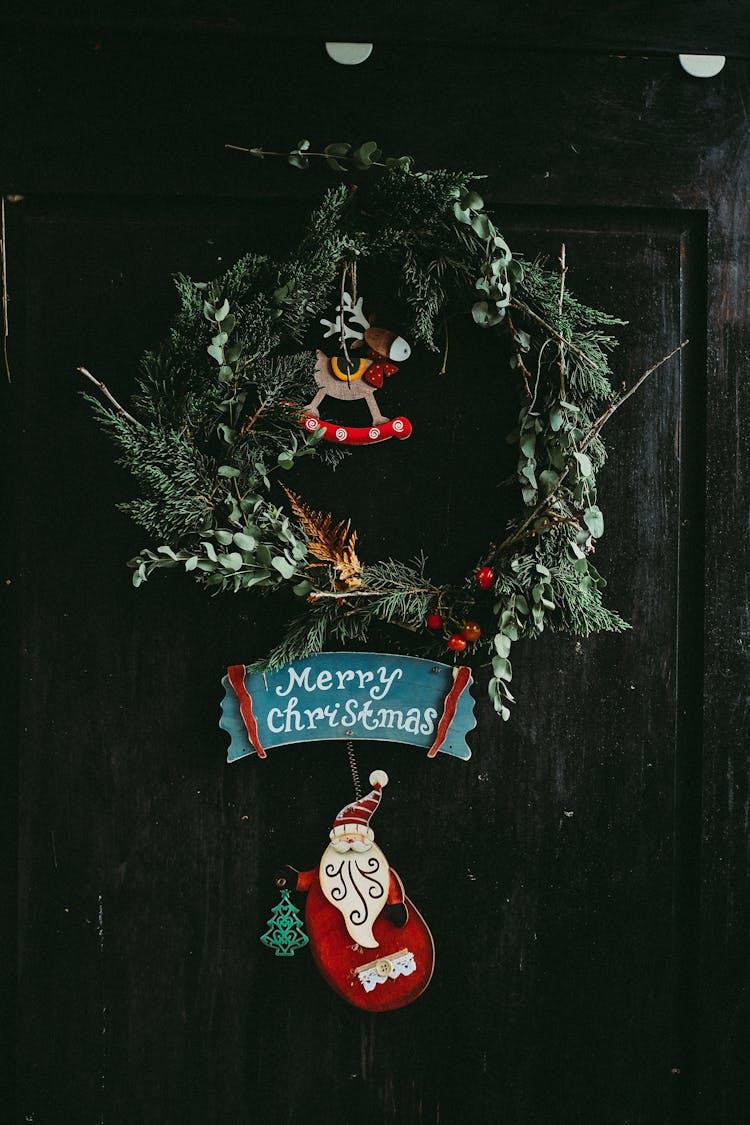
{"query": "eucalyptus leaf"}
(481, 225)
(594, 521)
(284, 567)
(480, 312)
(256, 578)
(231, 561)
(264, 555)
(244, 542)
(584, 464)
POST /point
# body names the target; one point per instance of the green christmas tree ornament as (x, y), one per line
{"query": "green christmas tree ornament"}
(285, 934)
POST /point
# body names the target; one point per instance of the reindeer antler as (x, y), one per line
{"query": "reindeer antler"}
(355, 314)
(335, 328)
(355, 311)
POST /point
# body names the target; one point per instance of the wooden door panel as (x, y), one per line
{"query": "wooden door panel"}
(586, 874)
(544, 866)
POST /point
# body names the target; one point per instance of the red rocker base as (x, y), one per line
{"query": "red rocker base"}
(357, 435)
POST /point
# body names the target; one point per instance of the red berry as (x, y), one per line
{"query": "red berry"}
(485, 577)
(471, 631)
(457, 643)
(434, 621)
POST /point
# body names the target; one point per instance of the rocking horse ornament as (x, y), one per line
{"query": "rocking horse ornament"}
(349, 378)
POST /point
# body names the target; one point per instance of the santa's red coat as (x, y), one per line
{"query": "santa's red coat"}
(339, 957)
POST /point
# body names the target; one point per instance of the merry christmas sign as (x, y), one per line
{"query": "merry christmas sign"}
(342, 695)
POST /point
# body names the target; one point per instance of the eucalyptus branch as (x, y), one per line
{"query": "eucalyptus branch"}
(365, 156)
(262, 152)
(108, 395)
(525, 373)
(520, 532)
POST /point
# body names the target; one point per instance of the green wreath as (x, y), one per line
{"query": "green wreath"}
(217, 416)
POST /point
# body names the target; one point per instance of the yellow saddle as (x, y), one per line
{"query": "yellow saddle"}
(339, 369)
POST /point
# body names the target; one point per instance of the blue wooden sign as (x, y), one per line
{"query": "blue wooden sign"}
(339, 695)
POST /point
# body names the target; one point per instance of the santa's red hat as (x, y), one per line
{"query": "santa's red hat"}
(356, 817)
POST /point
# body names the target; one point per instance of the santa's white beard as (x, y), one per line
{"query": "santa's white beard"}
(356, 883)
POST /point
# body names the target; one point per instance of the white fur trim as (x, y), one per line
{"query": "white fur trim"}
(379, 777)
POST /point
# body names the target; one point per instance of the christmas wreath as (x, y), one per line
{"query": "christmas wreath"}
(230, 401)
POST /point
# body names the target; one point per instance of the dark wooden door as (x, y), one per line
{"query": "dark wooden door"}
(585, 875)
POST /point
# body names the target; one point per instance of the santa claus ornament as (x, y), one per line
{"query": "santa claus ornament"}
(369, 941)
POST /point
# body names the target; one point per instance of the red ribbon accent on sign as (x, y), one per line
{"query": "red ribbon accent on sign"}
(462, 676)
(236, 674)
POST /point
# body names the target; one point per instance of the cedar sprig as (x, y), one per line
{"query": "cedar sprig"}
(329, 542)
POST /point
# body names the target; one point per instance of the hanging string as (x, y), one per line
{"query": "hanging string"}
(345, 351)
(4, 270)
(353, 767)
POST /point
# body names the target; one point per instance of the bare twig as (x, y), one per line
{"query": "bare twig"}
(563, 272)
(520, 532)
(108, 395)
(445, 350)
(4, 268)
(316, 595)
(605, 417)
(247, 426)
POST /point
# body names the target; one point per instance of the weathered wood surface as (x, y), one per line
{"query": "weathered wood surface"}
(562, 869)
(630, 26)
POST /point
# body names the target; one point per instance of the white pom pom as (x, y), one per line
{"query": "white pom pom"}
(379, 777)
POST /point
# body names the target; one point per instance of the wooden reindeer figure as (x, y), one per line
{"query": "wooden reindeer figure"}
(346, 377)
